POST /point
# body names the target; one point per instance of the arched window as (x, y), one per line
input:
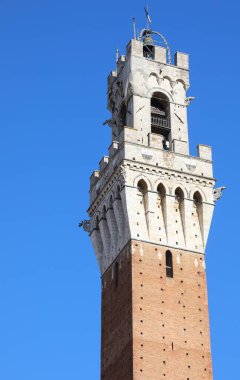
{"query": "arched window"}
(169, 264)
(179, 195)
(111, 202)
(97, 223)
(143, 189)
(160, 117)
(161, 191)
(197, 198)
(104, 212)
(116, 274)
(118, 193)
(123, 116)
(142, 186)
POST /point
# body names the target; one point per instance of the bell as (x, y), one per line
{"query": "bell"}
(148, 40)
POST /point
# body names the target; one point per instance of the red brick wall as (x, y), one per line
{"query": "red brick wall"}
(117, 346)
(154, 327)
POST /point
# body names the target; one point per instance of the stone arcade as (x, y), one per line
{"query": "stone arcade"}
(151, 206)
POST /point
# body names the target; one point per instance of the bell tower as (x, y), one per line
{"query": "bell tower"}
(151, 205)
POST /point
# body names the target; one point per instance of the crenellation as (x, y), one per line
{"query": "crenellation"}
(103, 163)
(113, 148)
(160, 54)
(181, 60)
(205, 152)
(94, 178)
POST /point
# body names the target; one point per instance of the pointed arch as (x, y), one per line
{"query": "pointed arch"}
(119, 214)
(104, 212)
(161, 189)
(154, 75)
(143, 194)
(179, 194)
(180, 208)
(110, 201)
(118, 192)
(197, 198)
(96, 222)
(122, 117)
(162, 205)
(198, 206)
(199, 190)
(112, 224)
(142, 186)
(182, 82)
(143, 189)
(167, 77)
(182, 188)
(145, 179)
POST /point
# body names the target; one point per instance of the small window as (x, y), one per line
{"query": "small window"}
(116, 275)
(169, 264)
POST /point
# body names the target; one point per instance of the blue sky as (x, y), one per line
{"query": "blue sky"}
(55, 58)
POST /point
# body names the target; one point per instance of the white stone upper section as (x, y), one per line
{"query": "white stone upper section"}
(149, 188)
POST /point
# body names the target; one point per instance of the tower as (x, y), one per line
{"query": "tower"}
(151, 205)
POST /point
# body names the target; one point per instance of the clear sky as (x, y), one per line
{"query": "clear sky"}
(55, 58)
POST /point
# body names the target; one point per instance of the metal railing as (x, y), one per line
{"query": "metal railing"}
(159, 122)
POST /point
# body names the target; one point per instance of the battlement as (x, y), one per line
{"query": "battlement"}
(194, 168)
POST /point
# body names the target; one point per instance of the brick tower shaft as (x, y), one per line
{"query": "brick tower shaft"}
(155, 327)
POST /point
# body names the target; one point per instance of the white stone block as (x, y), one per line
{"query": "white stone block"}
(205, 152)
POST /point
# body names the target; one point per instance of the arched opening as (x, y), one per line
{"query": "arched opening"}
(162, 214)
(118, 209)
(169, 264)
(122, 116)
(97, 223)
(104, 212)
(197, 214)
(111, 202)
(116, 275)
(161, 191)
(143, 198)
(148, 46)
(197, 198)
(179, 195)
(148, 51)
(160, 117)
(180, 216)
(118, 193)
(142, 186)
